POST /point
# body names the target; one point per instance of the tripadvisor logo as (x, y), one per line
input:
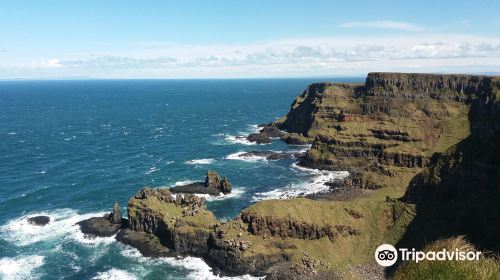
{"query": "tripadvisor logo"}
(387, 255)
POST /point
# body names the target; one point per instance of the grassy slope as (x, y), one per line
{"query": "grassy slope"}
(377, 224)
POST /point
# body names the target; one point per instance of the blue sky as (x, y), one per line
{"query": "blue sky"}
(233, 39)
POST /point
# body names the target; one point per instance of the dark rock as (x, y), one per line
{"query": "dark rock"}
(198, 187)
(259, 138)
(99, 226)
(39, 220)
(272, 131)
(213, 185)
(214, 181)
(148, 244)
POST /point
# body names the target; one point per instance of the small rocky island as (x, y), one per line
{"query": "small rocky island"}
(423, 156)
(213, 185)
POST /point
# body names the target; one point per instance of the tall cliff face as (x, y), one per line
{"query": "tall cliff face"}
(460, 189)
(440, 130)
(393, 123)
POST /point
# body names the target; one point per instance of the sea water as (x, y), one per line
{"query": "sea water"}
(70, 149)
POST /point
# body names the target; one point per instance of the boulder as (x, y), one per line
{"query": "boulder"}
(272, 131)
(259, 138)
(39, 220)
(99, 226)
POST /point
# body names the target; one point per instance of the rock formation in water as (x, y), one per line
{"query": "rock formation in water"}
(39, 220)
(213, 185)
(105, 226)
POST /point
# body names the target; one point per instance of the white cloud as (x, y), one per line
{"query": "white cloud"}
(290, 57)
(48, 63)
(383, 24)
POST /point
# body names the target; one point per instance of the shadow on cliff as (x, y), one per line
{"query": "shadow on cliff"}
(459, 192)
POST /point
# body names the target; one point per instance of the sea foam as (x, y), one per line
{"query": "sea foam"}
(315, 184)
(200, 161)
(62, 225)
(114, 274)
(250, 158)
(196, 267)
(20, 267)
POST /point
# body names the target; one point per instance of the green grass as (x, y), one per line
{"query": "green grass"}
(377, 225)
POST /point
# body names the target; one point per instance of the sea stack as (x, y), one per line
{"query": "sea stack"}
(116, 216)
(213, 180)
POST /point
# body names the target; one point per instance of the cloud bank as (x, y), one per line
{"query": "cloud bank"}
(291, 57)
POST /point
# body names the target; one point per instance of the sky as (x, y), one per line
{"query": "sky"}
(60, 39)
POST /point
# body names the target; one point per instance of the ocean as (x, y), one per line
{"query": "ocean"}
(70, 149)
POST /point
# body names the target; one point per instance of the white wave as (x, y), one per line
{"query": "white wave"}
(151, 170)
(248, 158)
(62, 225)
(238, 139)
(184, 182)
(198, 269)
(12, 133)
(241, 138)
(114, 274)
(315, 184)
(200, 161)
(234, 193)
(21, 267)
(254, 128)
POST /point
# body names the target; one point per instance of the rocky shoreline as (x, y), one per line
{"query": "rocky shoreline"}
(395, 130)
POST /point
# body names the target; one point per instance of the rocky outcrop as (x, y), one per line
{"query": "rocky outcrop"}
(185, 227)
(265, 134)
(270, 226)
(213, 185)
(105, 226)
(39, 220)
(214, 181)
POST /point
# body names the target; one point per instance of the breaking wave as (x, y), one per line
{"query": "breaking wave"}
(200, 161)
(315, 184)
(21, 267)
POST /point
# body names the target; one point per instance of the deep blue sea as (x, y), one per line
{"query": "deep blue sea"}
(70, 149)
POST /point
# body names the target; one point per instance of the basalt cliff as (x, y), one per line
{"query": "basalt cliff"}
(422, 153)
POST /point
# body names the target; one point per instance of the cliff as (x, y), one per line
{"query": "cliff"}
(389, 126)
(459, 190)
